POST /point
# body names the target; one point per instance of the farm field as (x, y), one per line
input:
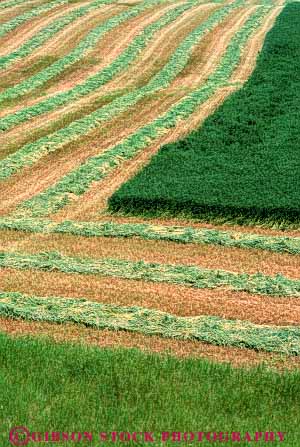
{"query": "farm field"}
(149, 217)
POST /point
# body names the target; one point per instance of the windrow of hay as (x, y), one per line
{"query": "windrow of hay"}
(94, 82)
(238, 357)
(43, 174)
(212, 330)
(186, 275)
(173, 299)
(157, 231)
(208, 256)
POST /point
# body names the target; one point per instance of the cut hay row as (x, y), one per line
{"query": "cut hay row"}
(189, 276)
(98, 167)
(85, 46)
(102, 77)
(212, 330)
(208, 256)
(29, 15)
(172, 233)
(46, 33)
(32, 152)
(13, 40)
(171, 298)
(106, 339)
(56, 48)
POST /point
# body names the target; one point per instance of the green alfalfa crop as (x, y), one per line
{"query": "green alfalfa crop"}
(242, 164)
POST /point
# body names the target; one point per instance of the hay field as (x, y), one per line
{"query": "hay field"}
(89, 92)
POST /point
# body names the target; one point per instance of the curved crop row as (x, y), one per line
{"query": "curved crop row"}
(49, 31)
(98, 167)
(86, 44)
(26, 16)
(213, 330)
(32, 152)
(99, 79)
(179, 234)
(189, 276)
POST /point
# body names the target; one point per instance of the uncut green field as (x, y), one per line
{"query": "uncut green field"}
(149, 220)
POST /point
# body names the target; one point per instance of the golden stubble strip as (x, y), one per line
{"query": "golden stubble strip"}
(174, 299)
(166, 43)
(164, 252)
(8, 238)
(238, 357)
(110, 47)
(20, 186)
(248, 62)
(159, 51)
(59, 45)
(91, 206)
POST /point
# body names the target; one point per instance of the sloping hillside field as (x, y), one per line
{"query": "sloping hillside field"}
(150, 199)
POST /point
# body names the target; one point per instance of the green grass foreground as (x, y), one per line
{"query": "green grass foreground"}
(61, 387)
(244, 160)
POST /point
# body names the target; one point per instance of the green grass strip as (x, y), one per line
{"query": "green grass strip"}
(179, 234)
(73, 384)
(213, 330)
(96, 168)
(31, 152)
(85, 45)
(190, 276)
(26, 16)
(46, 33)
(96, 81)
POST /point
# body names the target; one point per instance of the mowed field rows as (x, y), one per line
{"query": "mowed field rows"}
(91, 92)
